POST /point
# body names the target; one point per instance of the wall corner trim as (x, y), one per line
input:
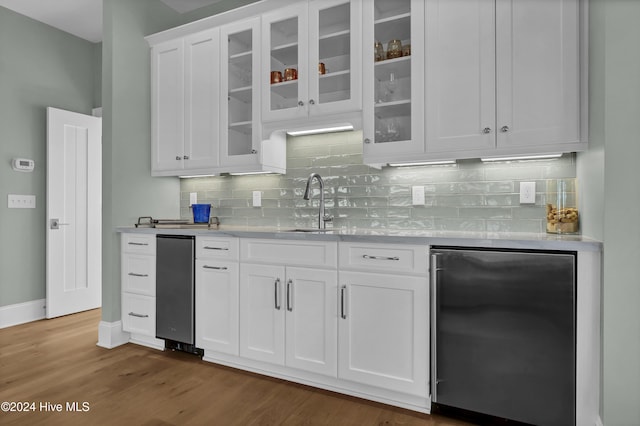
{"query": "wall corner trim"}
(21, 313)
(110, 335)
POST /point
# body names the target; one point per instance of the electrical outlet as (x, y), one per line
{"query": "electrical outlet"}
(417, 195)
(527, 192)
(21, 201)
(257, 199)
(193, 198)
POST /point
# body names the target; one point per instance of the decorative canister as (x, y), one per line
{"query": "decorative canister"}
(394, 49)
(562, 206)
(378, 51)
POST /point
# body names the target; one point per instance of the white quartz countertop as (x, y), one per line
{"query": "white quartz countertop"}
(513, 240)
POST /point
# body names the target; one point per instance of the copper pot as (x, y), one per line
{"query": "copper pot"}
(290, 74)
(276, 77)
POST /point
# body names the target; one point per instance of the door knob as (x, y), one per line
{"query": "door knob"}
(504, 129)
(55, 224)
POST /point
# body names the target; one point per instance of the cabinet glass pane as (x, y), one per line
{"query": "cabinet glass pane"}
(284, 55)
(334, 53)
(240, 96)
(392, 29)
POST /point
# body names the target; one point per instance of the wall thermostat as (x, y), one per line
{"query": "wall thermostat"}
(23, 165)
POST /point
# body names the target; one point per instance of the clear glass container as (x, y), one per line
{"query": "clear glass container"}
(562, 206)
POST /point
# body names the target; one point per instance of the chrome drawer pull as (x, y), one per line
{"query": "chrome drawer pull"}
(366, 256)
(215, 248)
(133, 314)
(133, 274)
(219, 268)
(138, 244)
(343, 307)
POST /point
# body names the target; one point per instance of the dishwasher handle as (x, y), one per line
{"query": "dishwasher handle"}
(433, 279)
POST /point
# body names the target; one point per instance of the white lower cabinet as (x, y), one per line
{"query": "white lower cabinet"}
(138, 284)
(384, 331)
(288, 316)
(384, 316)
(217, 305)
(217, 294)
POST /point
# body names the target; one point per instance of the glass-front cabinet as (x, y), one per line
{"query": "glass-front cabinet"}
(393, 95)
(240, 82)
(312, 63)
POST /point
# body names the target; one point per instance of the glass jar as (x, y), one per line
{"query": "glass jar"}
(394, 49)
(378, 51)
(562, 206)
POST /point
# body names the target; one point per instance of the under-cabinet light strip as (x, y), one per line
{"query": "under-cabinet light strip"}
(524, 157)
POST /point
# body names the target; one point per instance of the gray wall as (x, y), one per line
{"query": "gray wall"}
(40, 66)
(129, 190)
(468, 196)
(616, 104)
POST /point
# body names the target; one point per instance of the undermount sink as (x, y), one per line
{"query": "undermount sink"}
(308, 230)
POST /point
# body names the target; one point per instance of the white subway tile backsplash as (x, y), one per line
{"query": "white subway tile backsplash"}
(467, 196)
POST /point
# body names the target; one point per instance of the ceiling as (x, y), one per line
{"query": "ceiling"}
(82, 18)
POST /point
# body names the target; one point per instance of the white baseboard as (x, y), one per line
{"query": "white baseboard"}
(110, 334)
(21, 313)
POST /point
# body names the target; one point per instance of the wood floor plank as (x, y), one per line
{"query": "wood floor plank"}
(57, 361)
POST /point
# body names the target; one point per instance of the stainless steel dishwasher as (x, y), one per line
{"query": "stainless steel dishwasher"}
(503, 337)
(175, 291)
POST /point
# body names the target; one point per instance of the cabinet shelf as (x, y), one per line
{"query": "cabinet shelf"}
(397, 27)
(241, 55)
(393, 109)
(335, 82)
(285, 54)
(243, 94)
(243, 127)
(286, 89)
(337, 44)
(401, 67)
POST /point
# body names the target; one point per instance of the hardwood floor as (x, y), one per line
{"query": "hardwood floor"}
(51, 362)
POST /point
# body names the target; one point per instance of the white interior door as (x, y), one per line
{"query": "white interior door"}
(74, 212)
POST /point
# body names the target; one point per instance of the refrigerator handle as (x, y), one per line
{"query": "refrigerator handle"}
(433, 271)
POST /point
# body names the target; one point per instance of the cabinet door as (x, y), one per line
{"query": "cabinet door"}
(167, 106)
(262, 313)
(383, 331)
(285, 45)
(538, 73)
(311, 320)
(460, 76)
(335, 39)
(393, 93)
(217, 306)
(202, 100)
(240, 79)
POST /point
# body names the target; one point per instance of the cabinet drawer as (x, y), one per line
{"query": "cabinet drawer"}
(216, 248)
(139, 243)
(290, 253)
(139, 314)
(384, 258)
(139, 274)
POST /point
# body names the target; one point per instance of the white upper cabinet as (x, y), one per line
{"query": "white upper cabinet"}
(240, 85)
(315, 48)
(185, 106)
(393, 101)
(503, 77)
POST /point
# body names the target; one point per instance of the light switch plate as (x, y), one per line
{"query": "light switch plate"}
(417, 195)
(527, 192)
(21, 201)
(257, 199)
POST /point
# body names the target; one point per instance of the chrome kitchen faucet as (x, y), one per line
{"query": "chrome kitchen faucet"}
(322, 217)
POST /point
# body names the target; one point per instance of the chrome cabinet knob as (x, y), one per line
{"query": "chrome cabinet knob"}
(504, 129)
(312, 102)
(178, 158)
(300, 103)
(367, 140)
(186, 157)
(486, 130)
